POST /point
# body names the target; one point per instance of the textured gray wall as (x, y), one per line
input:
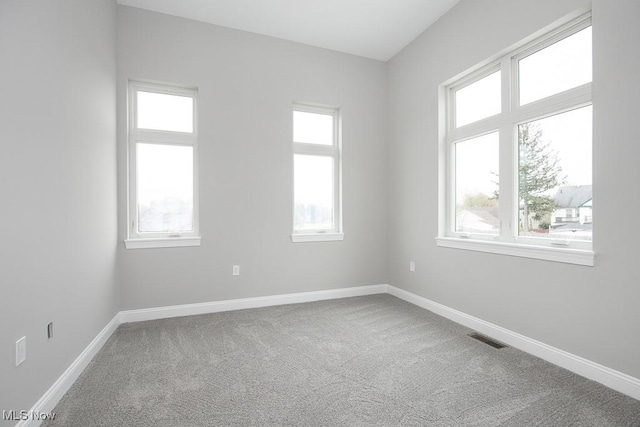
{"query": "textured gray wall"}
(591, 312)
(58, 186)
(247, 84)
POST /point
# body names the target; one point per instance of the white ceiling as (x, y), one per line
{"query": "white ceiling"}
(375, 29)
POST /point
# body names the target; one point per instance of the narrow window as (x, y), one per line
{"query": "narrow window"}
(163, 202)
(316, 174)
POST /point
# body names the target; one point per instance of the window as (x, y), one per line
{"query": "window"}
(518, 146)
(316, 174)
(163, 197)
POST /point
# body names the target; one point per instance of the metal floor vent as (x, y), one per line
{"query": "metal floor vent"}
(485, 339)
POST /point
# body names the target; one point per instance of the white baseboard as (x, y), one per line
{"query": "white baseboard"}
(609, 377)
(52, 396)
(244, 303)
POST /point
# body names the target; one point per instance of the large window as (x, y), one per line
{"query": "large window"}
(517, 175)
(316, 174)
(163, 202)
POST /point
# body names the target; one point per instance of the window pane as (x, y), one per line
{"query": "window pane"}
(165, 187)
(313, 192)
(312, 128)
(555, 176)
(476, 193)
(159, 111)
(479, 100)
(559, 67)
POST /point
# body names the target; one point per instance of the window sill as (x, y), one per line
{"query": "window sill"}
(316, 237)
(565, 255)
(168, 242)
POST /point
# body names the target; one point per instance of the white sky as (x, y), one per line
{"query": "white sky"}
(570, 135)
(561, 66)
(313, 180)
(478, 100)
(164, 112)
(164, 172)
(475, 160)
(312, 128)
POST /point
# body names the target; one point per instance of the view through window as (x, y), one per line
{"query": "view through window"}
(545, 194)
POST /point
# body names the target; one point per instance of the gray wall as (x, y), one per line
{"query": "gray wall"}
(58, 186)
(247, 84)
(591, 312)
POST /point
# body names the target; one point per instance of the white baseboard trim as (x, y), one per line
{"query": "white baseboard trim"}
(244, 303)
(52, 396)
(609, 377)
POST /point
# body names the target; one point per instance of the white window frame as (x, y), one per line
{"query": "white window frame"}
(142, 240)
(507, 241)
(334, 151)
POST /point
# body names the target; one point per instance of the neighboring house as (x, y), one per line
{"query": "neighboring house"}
(478, 220)
(574, 205)
(573, 215)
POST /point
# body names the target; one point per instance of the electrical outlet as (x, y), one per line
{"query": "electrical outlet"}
(21, 350)
(50, 330)
(236, 270)
(412, 266)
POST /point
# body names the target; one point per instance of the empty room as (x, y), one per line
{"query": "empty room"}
(319, 213)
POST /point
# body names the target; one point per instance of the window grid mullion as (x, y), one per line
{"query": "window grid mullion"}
(161, 136)
(315, 150)
(555, 104)
(507, 202)
(479, 128)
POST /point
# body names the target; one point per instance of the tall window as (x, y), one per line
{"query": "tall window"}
(316, 174)
(518, 149)
(163, 202)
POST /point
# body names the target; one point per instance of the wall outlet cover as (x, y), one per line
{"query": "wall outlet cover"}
(21, 350)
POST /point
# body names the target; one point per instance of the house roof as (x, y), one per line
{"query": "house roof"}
(573, 196)
(486, 215)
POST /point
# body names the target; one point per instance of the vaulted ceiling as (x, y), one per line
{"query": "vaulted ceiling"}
(376, 29)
